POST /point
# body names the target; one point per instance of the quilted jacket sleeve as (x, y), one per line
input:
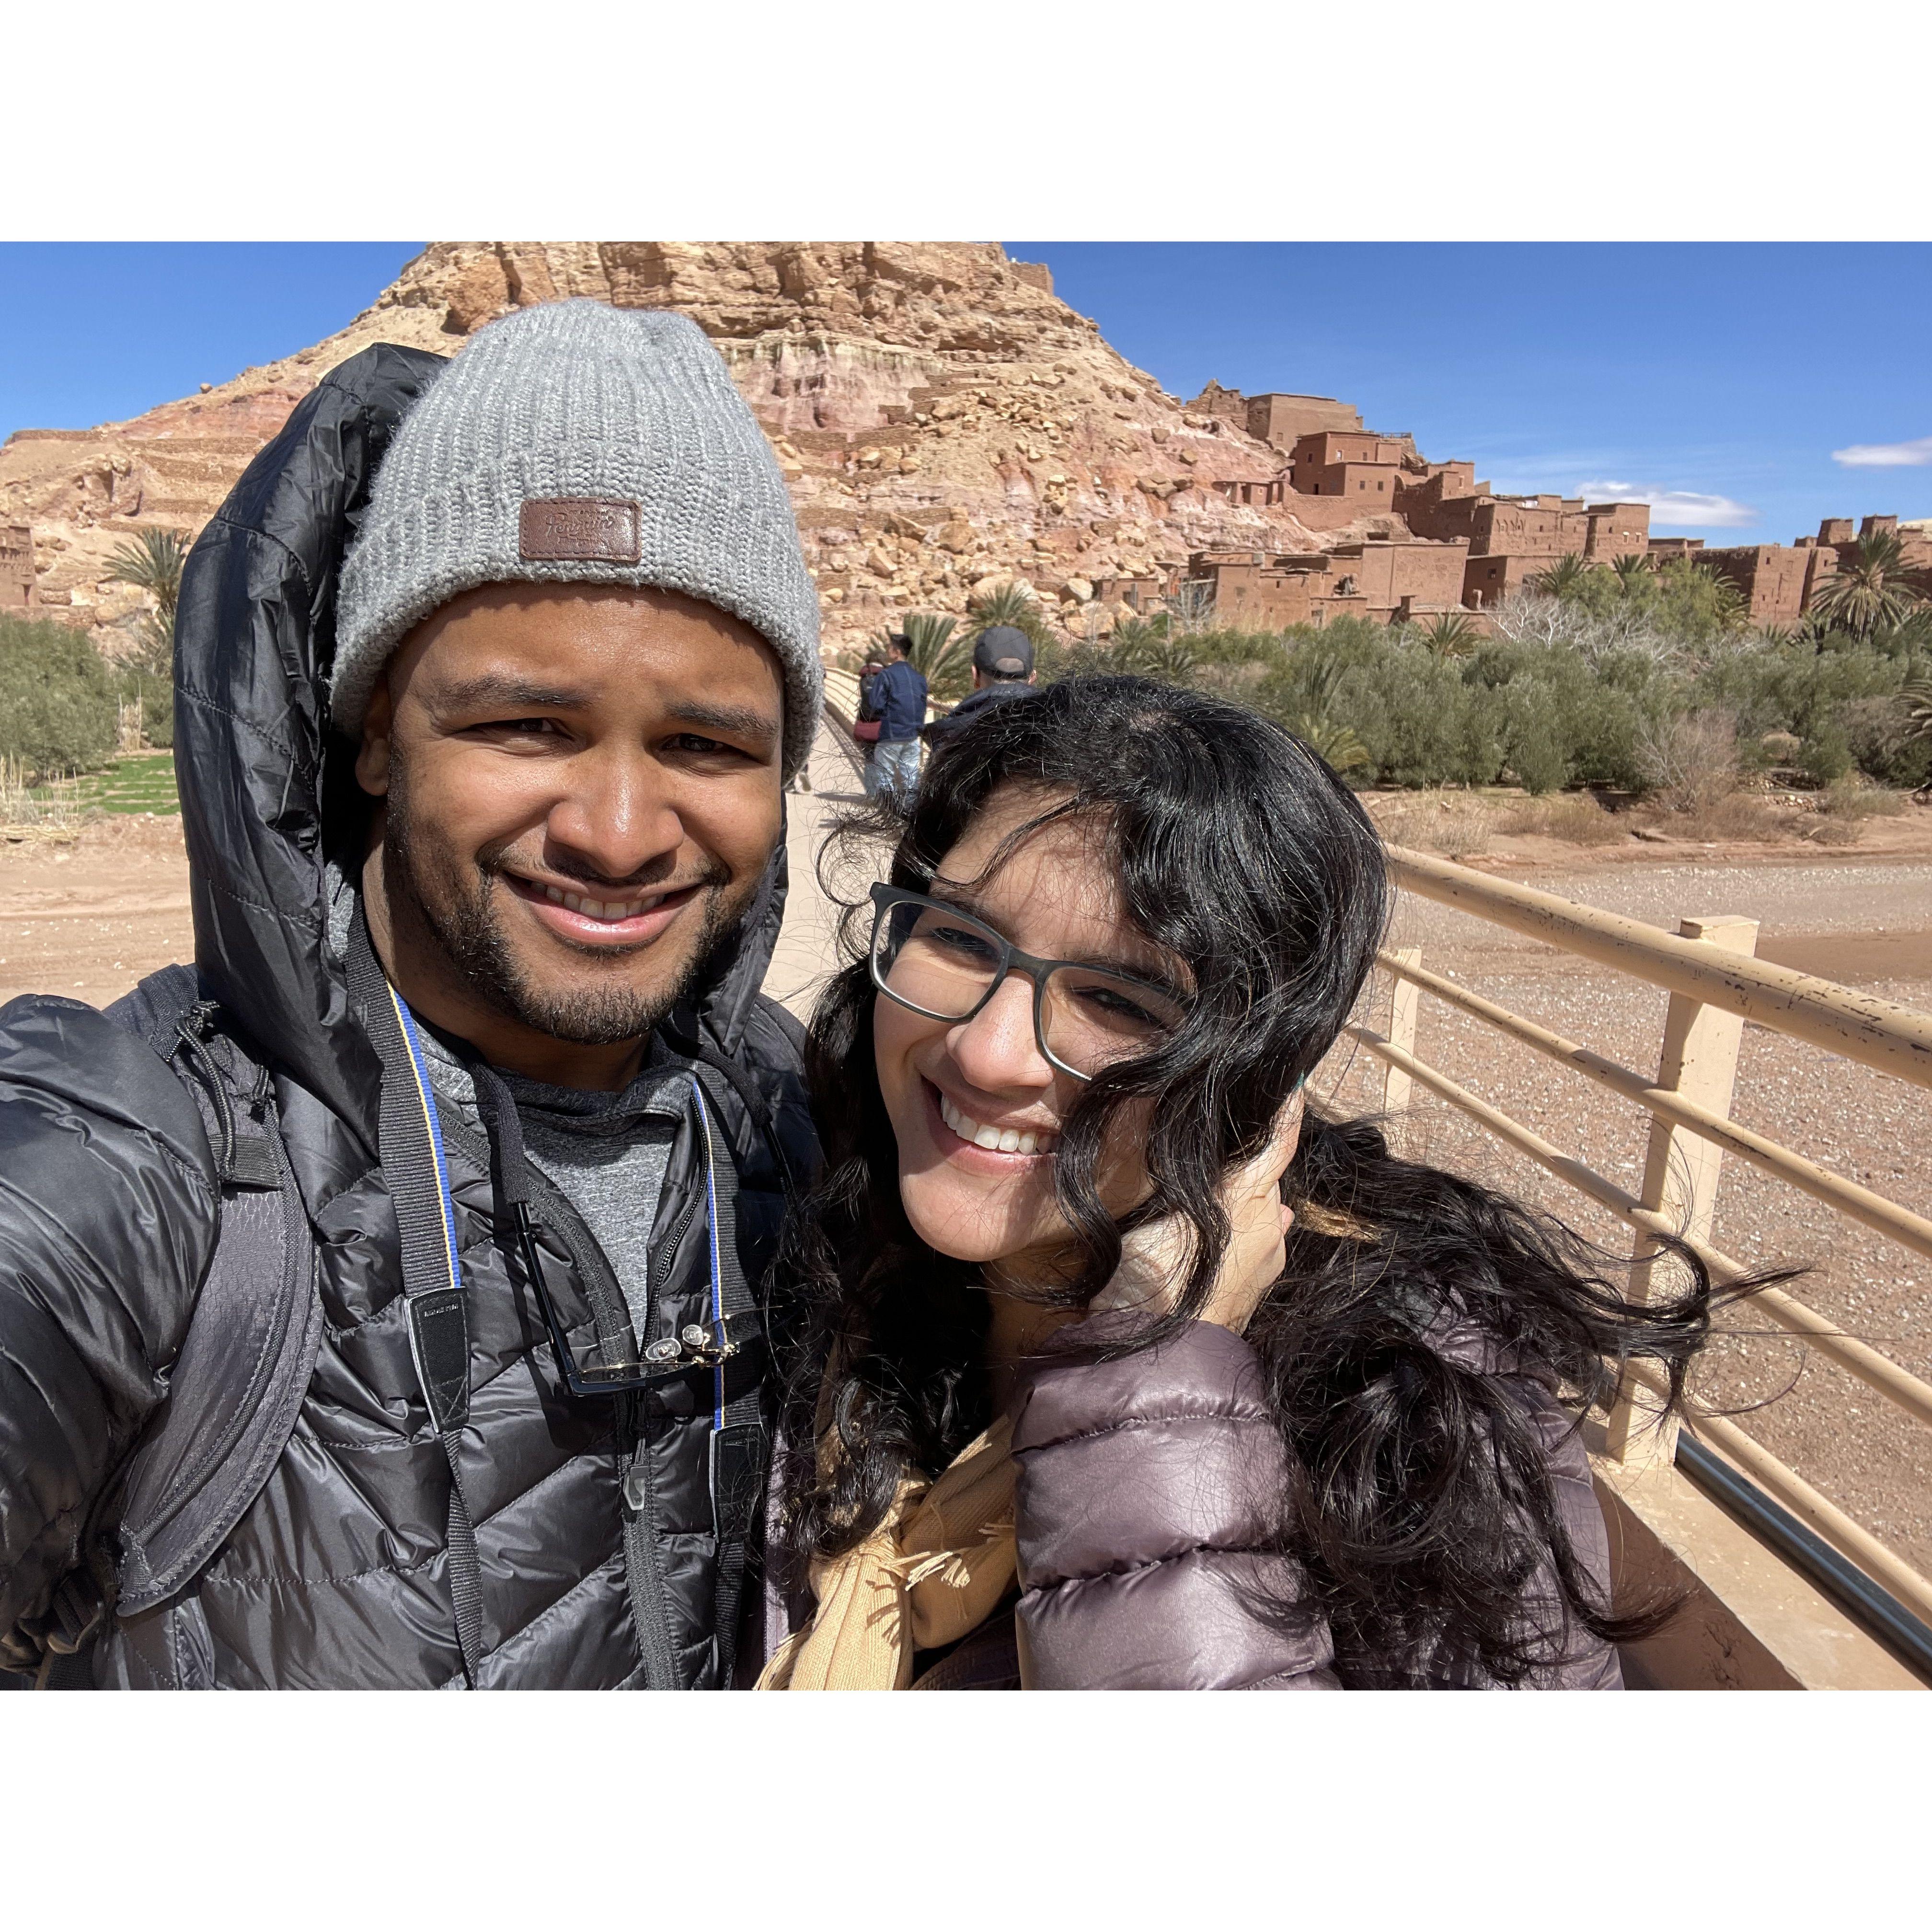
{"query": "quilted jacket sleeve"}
(108, 1213)
(1148, 1487)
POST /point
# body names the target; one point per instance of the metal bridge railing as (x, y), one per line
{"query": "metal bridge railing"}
(1715, 985)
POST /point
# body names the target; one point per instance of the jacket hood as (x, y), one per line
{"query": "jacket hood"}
(268, 793)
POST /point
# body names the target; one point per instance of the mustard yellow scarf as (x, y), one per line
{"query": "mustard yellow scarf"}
(933, 1571)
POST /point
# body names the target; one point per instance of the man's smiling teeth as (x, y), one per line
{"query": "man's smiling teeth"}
(606, 909)
(998, 1140)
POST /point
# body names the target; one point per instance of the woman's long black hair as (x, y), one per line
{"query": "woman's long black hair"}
(1412, 1300)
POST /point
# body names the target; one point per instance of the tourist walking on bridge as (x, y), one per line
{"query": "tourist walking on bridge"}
(897, 694)
(1126, 1365)
(373, 1298)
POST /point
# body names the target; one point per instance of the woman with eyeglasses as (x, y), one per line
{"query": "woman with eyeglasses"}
(1120, 1365)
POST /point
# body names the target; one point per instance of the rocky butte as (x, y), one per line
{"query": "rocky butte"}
(943, 418)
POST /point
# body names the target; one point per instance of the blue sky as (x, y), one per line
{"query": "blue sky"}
(1679, 371)
(1717, 379)
(93, 332)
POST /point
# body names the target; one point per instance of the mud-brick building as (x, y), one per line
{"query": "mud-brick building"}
(1384, 581)
(1510, 539)
(1366, 469)
(1243, 490)
(1777, 581)
(1541, 527)
(1284, 420)
(17, 566)
(1780, 582)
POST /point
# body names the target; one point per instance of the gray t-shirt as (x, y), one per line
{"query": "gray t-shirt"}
(606, 1153)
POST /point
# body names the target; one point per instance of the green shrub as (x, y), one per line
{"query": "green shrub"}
(1534, 741)
(1825, 757)
(58, 710)
(1792, 686)
(1590, 709)
(1688, 606)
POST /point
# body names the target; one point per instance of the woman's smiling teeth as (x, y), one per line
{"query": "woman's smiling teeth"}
(997, 1140)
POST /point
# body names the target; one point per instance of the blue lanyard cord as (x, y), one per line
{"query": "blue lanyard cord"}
(711, 1229)
(406, 1020)
(426, 1099)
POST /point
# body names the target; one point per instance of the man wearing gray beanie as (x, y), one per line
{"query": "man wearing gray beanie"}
(435, 1204)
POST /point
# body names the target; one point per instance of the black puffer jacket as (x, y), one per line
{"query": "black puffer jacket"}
(338, 1574)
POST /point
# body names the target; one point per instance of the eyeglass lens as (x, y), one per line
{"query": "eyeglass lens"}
(944, 962)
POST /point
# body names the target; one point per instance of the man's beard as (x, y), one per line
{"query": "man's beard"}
(463, 921)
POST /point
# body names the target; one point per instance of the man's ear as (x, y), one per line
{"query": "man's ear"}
(372, 761)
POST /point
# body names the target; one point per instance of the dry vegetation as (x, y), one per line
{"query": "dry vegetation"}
(1578, 818)
(28, 812)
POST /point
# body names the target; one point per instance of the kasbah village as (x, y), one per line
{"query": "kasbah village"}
(954, 435)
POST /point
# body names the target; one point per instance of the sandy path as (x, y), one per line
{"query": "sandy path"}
(89, 918)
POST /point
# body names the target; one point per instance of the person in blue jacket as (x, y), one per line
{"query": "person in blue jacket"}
(897, 694)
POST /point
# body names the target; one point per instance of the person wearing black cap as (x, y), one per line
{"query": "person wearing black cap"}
(1003, 667)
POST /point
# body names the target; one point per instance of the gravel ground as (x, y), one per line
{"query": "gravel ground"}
(1873, 1462)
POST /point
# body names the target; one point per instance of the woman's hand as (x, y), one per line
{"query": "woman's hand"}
(1155, 1259)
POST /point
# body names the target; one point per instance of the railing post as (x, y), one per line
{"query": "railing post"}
(1405, 1001)
(1681, 1172)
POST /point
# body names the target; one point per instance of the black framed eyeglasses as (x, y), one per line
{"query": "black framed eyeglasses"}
(939, 960)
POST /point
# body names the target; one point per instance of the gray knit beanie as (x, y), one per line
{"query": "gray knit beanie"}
(577, 443)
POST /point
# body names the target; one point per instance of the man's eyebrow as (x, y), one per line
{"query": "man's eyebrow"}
(494, 691)
(738, 720)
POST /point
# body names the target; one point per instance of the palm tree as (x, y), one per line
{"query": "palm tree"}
(1013, 604)
(1730, 609)
(1564, 578)
(1873, 591)
(1452, 635)
(1318, 727)
(1629, 572)
(1147, 647)
(1916, 695)
(153, 562)
(943, 660)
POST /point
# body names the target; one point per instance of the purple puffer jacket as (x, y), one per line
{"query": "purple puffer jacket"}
(1147, 1487)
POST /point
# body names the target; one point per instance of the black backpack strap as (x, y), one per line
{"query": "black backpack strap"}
(236, 1386)
(439, 1322)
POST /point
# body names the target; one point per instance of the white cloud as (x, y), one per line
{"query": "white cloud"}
(1885, 455)
(1675, 509)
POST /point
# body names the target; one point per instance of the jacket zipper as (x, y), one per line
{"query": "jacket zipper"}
(642, 1551)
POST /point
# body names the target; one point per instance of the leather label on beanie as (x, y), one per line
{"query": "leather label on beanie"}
(578, 530)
